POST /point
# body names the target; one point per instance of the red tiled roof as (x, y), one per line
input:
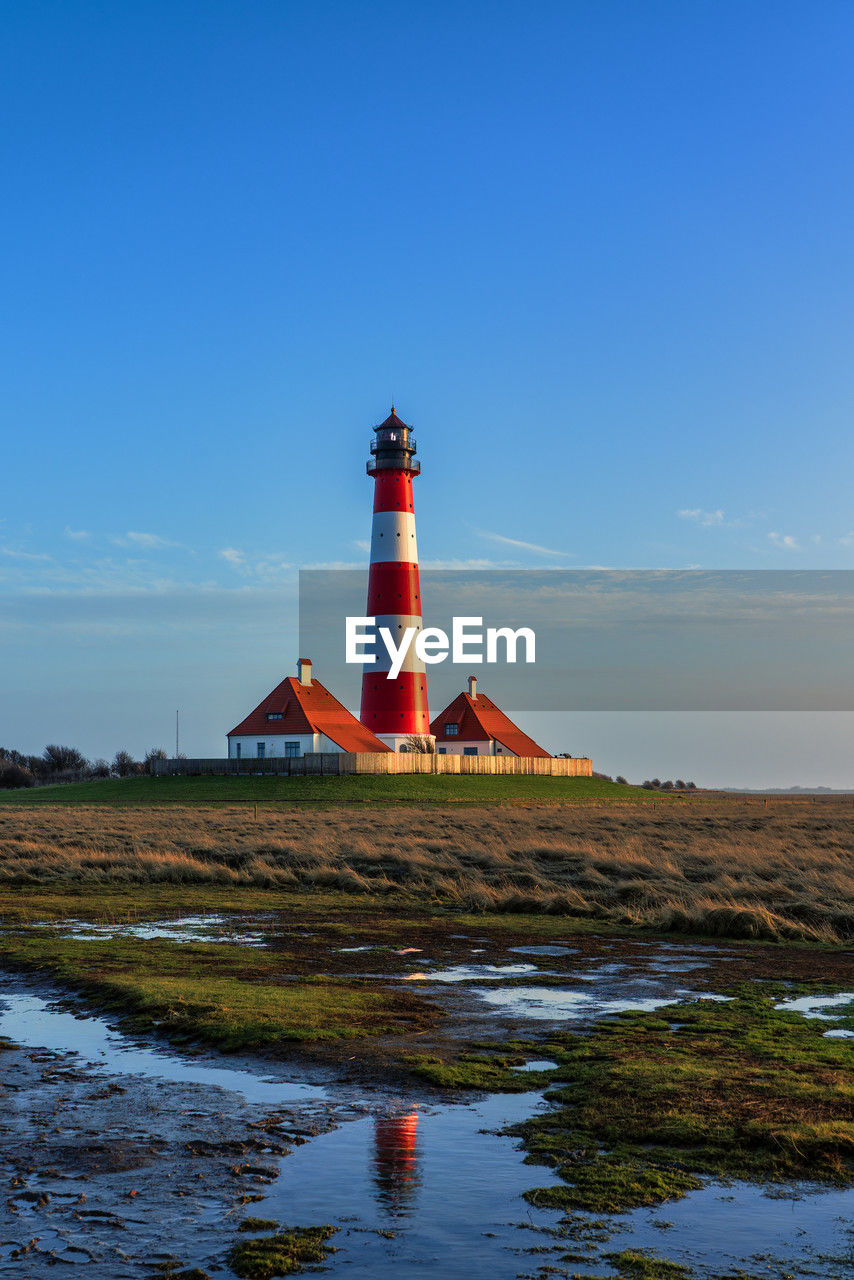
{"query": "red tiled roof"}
(480, 720)
(308, 708)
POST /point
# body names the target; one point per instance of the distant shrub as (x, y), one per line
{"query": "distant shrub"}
(124, 765)
(619, 778)
(151, 757)
(63, 759)
(14, 775)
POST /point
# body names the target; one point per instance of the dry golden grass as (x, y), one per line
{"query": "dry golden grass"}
(729, 868)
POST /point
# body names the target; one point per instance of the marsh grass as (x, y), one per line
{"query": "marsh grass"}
(642, 1113)
(729, 869)
(228, 996)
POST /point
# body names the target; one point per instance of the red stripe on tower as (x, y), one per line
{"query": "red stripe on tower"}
(394, 709)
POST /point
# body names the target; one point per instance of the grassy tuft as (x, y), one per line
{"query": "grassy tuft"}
(478, 1071)
(637, 1264)
(280, 1255)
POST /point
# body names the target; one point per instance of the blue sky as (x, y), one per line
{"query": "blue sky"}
(599, 253)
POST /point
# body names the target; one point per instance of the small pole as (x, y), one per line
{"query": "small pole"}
(177, 739)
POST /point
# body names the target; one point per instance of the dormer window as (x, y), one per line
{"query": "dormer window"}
(274, 715)
(452, 730)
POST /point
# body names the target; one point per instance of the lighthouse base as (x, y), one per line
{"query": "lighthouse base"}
(409, 742)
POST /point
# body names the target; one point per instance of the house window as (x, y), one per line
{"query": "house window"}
(451, 730)
(237, 750)
(291, 748)
(262, 747)
(274, 715)
(442, 751)
(469, 751)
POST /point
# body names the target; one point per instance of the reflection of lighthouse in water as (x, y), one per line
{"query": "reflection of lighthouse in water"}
(396, 1172)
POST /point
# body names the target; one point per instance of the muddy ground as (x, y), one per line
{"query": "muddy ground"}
(128, 1176)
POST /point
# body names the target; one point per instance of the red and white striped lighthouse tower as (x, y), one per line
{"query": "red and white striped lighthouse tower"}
(394, 709)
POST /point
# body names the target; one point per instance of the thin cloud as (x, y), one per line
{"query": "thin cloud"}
(146, 541)
(14, 554)
(784, 541)
(518, 542)
(361, 544)
(471, 563)
(76, 535)
(706, 519)
(232, 556)
(267, 568)
(847, 539)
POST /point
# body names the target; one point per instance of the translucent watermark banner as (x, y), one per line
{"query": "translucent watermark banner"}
(605, 640)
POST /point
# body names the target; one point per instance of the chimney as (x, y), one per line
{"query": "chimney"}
(304, 670)
(473, 688)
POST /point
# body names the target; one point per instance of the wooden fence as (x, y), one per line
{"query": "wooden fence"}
(331, 763)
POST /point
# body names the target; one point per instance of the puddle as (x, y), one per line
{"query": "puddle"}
(204, 928)
(718, 1229)
(537, 1064)
(475, 973)
(563, 1004)
(553, 1004)
(35, 1023)
(609, 970)
(544, 951)
(815, 1006)
(613, 986)
(421, 1191)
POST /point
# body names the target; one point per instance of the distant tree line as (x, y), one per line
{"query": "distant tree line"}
(651, 785)
(67, 764)
(655, 784)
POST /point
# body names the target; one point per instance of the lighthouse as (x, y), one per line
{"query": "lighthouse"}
(394, 709)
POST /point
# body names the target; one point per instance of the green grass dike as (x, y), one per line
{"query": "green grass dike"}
(347, 789)
(232, 997)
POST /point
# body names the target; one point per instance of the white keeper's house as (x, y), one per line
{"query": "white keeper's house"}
(298, 718)
(472, 725)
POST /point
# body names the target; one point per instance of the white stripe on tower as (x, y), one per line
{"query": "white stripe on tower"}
(393, 537)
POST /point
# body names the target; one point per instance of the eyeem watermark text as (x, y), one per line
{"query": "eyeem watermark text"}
(467, 643)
